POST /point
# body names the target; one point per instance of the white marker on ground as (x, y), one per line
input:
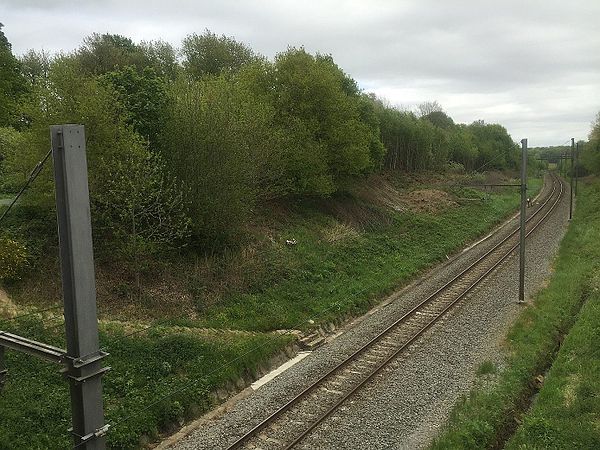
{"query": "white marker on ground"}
(274, 373)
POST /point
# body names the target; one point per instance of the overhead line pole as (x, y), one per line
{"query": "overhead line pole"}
(572, 155)
(576, 167)
(83, 357)
(522, 221)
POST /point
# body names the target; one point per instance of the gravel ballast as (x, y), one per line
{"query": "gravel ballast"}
(405, 406)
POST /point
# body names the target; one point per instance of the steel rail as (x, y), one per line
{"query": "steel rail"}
(395, 354)
(312, 387)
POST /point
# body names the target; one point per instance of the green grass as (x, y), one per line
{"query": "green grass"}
(282, 287)
(319, 281)
(487, 417)
(34, 404)
(5, 200)
(486, 368)
(566, 413)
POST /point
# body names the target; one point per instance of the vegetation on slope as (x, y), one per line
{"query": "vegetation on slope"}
(348, 254)
(157, 379)
(199, 173)
(565, 415)
(184, 155)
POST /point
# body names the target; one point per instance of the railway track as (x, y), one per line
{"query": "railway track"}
(293, 421)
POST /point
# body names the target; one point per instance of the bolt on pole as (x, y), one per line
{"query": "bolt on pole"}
(571, 202)
(522, 221)
(84, 368)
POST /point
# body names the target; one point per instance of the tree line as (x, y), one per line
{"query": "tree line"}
(185, 145)
(588, 161)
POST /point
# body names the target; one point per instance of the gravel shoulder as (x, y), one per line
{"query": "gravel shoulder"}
(409, 401)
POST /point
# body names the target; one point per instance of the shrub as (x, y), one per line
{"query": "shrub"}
(13, 259)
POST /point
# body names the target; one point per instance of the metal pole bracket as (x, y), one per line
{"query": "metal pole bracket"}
(34, 348)
(86, 377)
(83, 361)
(99, 432)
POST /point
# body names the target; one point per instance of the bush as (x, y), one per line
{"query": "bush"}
(212, 143)
(13, 259)
(9, 140)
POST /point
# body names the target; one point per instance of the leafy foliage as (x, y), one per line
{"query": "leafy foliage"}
(12, 83)
(101, 53)
(234, 129)
(213, 129)
(326, 111)
(143, 95)
(590, 153)
(122, 172)
(209, 54)
(140, 208)
(9, 140)
(13, 259)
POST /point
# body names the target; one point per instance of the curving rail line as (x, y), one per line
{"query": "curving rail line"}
(318, 401)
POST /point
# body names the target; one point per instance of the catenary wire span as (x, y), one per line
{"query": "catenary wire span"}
(32, 313)
(32, 176)
(195, 382)
(227, 363)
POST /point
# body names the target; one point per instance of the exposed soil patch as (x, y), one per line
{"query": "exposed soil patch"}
(381, 192)
(429, 200)
(339, 232)
(7, 308)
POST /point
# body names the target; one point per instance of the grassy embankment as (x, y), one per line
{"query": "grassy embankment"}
(566, 413)
(349, 253)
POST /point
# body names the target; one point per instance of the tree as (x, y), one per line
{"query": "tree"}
(143, 94)
(35, 67)
(594, 136)
(209, 54)
(427, 108)
(590, 154)
(440, 119)
(118, 161)
(12, 83)
(213, 137)
(462, 148)
(161, 57)
(101, 53)
(142, 208)
(331, 135)
(9, 142)
(495, 146)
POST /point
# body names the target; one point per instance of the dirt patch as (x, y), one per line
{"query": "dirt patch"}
(429, 200)
(495, 177)
(380, 191)
(340, 232)
(7, 308)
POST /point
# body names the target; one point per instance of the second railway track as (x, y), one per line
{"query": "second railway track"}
(293, 421)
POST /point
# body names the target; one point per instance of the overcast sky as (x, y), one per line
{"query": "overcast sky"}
(532, 66)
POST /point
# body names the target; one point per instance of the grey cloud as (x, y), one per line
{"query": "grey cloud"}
(531, 65)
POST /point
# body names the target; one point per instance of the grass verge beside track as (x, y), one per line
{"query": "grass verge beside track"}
(354, 273)
(329, 272)
(34, 404)
(566, 414)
